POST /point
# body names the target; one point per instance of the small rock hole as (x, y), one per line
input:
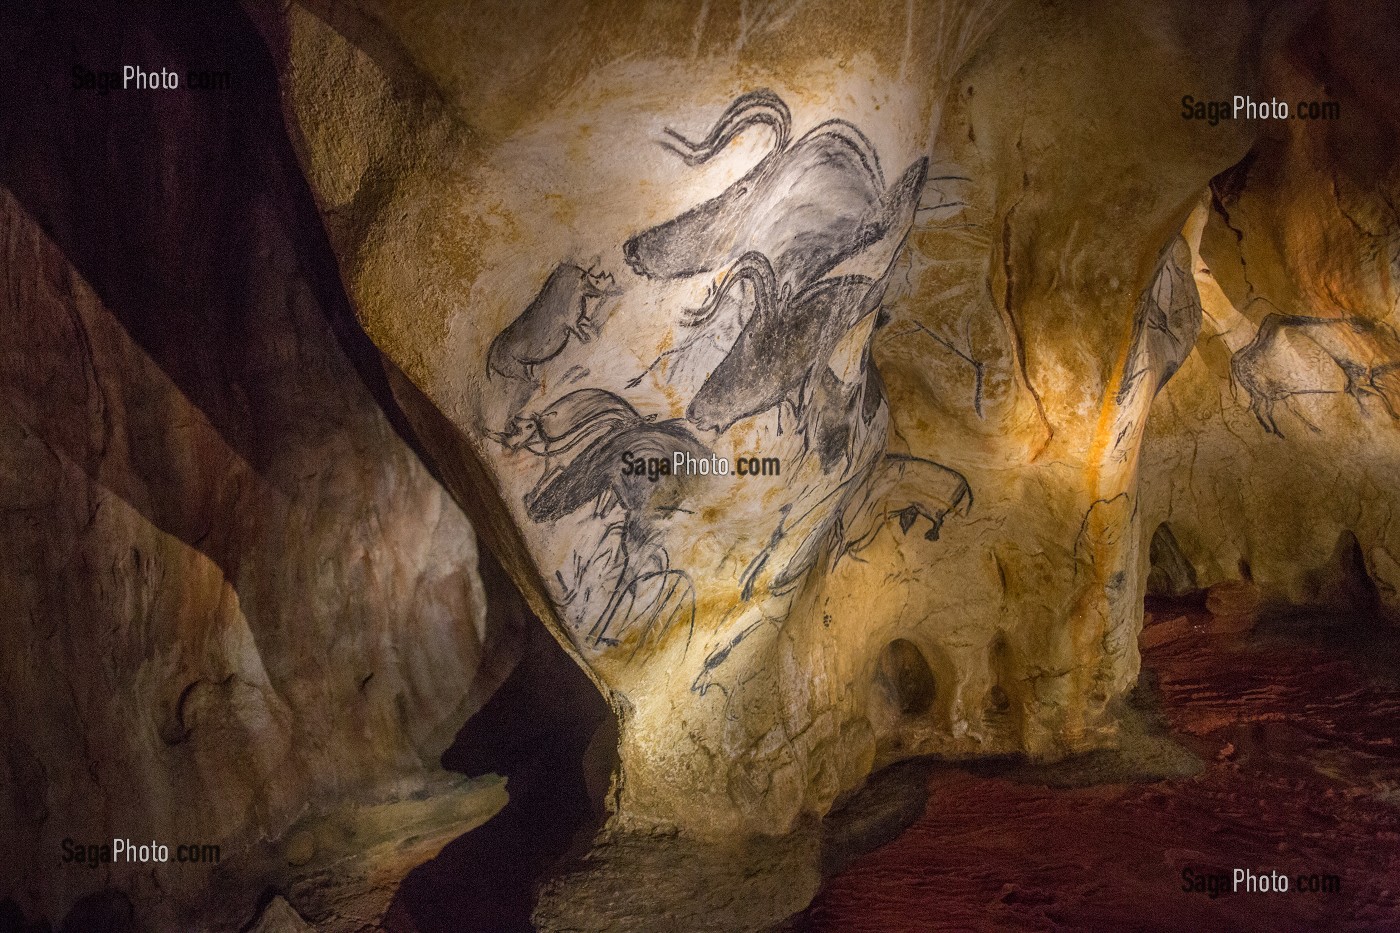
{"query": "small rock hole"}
(905, 677)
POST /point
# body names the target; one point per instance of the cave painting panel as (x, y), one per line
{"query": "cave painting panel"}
(800, 254)
(1294, 355)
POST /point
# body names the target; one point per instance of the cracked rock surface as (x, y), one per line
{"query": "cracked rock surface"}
(1271, 458)
(832, 379)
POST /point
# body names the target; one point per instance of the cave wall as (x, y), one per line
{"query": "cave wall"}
(930, 259)
(960, 268)
(1272, 456)
(235, 607)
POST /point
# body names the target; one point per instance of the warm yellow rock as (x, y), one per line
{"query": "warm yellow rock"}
(921, 271)
(1272, 456)
(951, 355)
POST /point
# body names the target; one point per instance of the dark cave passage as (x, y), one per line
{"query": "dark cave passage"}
(554, 738)
(321, 367)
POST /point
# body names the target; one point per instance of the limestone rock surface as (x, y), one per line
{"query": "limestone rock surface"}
(232, 598)
(1271, 459)
(964, 338)
(928, 261)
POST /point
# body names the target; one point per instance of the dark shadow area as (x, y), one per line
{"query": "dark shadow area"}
(905, 678)
(550, 732)
(162, 201)
(107, 911)
(12, 919)
(1168, 606)
(1171, 575)
(1345, 584)
(102, 912)
(888, 804)
(180, 209)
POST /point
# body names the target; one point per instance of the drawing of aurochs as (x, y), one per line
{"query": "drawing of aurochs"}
(800, 251)
(1364, 357)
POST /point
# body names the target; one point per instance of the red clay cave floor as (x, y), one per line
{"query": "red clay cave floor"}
(1298, 724)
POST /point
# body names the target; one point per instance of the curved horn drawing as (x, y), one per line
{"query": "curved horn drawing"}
(756, 107)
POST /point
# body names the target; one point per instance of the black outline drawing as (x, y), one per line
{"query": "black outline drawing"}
(784, 340)
(979, 367)
(785, 335)
(830, 419)
(806, 243)
(715, 659)
(885, 505)
(580, 417)
(806, 206)
(865, 503)
(563, 309)
(752, 276)
(1362, 349)
(606, 425)
(1167, 322)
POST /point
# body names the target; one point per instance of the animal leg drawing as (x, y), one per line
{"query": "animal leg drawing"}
(744, 289)
(886, 500)
(1361, 351)
(569, 422)
(638, 557)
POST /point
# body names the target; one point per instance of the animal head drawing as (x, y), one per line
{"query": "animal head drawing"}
(690, 244)
(523, 431)
(594, 286)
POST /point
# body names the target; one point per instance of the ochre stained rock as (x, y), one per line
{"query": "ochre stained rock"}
(932, 263)
(927, 259)
(1272, 457)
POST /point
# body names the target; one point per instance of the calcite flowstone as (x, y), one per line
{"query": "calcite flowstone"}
(925, 260)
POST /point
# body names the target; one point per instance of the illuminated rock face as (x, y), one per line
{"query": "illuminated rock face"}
(929, 262)
(1272, 458)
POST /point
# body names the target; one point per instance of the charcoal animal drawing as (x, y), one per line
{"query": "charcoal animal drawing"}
(566, 308)
(1356, 356)
(573, 420)
(833, 408)
(1167, 322)
(803, 210)
(806, 205)
(802, 250)
(785, 339)
(629, 570)
(908, 489)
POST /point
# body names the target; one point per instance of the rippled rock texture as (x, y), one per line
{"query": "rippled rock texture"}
(988, 338)
(234, 605)
(1272, 456)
